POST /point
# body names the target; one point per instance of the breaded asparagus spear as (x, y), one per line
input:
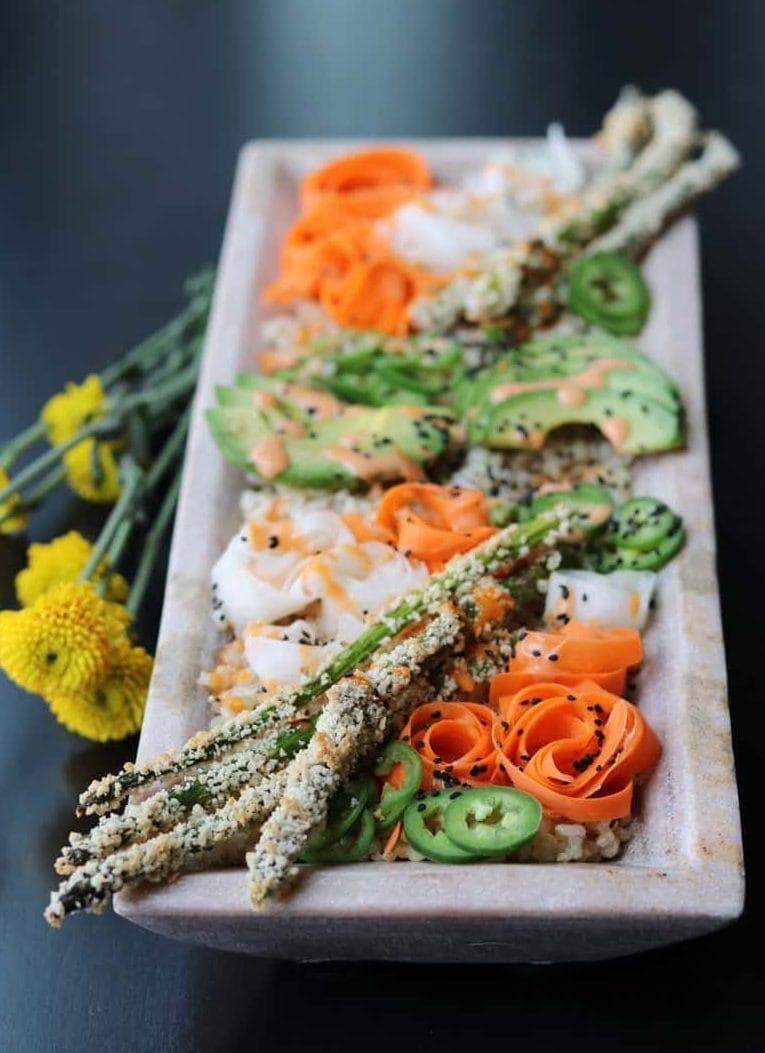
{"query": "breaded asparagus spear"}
(256, 759)
(500, 285)
(209, 787)
(392, 677)
(645, 219)
(356, 717)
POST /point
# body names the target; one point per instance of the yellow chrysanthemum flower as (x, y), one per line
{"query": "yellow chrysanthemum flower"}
(113, 708)
(59, 561)
(18, 520)
(79, 464)
(61, 644)
(78, 404)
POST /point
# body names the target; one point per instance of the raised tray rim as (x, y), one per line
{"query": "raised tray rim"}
(642, 905)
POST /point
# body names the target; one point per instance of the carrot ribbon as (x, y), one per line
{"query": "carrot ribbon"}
(333, 252)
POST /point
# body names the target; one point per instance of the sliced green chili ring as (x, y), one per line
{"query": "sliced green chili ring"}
(652, 559)
(641, 523)
(424, 828)
(355, 361)
(407, 380)
(608, 289)
(492, 820)
(343, 811)
(394, 800)
(351, 847)
(370, 391)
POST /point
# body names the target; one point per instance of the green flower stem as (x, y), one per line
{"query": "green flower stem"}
(35, 497)
(169, 451)
(177, 359)
(172, 389)
(118, 411)
(189, 325)
(156, 347)
(16, 446)
(114, 552)
(48, 485)
(51, 457)
(132, 483)
(151, 545)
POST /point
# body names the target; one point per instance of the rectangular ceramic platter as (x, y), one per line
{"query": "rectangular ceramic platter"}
(680, 877)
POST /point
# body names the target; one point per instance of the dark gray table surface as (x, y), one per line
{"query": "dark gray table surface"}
(119, 128)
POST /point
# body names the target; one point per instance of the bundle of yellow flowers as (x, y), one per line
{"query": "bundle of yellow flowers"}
(113, 439)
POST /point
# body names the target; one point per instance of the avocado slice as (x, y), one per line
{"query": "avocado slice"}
(555, 358)
(633, 423)
(346, 451)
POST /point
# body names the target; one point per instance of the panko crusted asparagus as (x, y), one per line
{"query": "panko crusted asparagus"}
(459, 576)
(255, 760)
(625, 131)
(391, 678)
(646, 218)
(522, 278)
(358, 714)
(210, 787)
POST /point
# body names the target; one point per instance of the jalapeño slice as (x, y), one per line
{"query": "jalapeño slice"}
(608, 289)
(351, 847)
(394, 799)
(492, 820)
(650, 559)
(423, 826)
(642, 522)
(343, 811)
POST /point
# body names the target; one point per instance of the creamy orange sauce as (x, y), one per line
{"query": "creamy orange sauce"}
(634, 604)
(269, 456)
(616, 430)
(571, 390)
(334, 591)
(571, 395)
(287, 539)
(552, 486)
(321, 403)
(293, 428)
(599, 513)
(271, 360)
(388, 465)
(265, 400)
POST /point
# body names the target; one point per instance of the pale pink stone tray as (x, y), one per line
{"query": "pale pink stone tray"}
(681, 876)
